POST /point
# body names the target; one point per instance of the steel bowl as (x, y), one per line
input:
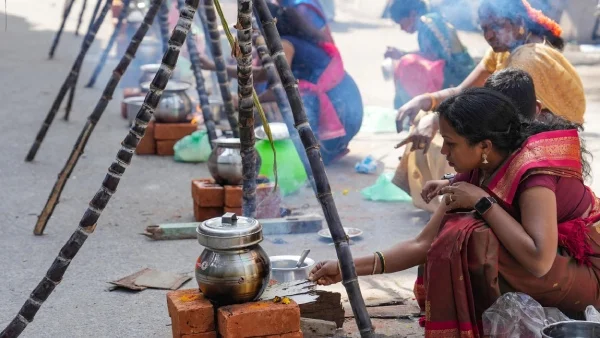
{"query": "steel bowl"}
(283, 268)
(133, 104)
(572, 329)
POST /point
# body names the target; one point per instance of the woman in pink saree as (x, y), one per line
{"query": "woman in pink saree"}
(517, 218)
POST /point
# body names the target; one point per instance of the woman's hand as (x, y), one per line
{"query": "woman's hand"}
(462, 195)
(422, 134)
(410, 109)
(432, 188)
(326, 273)
(393, 53)
(206, 63)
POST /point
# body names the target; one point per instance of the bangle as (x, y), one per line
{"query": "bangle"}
(374, 263)
(433, 101)
(381, 260)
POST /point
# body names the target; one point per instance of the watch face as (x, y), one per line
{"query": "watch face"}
(483, 205)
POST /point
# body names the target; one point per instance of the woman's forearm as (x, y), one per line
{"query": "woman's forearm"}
(400, 257)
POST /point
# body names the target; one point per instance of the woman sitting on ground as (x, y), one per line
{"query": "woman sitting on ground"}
(517, 218)
(441, 62)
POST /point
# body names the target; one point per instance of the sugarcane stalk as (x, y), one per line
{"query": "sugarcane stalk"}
(163, 23)
(60, 29)
(107, 49)
(324, 195)
(85, 46)
(200, 85)
(94, 14)
(274, 84)
(109, 185)
(246, 106)
(71, 98)
(93, 119)
(217, 53)
(80, 17)
(201, 15)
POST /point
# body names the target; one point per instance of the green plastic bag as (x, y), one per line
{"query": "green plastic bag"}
(384, 190)
(193, 148)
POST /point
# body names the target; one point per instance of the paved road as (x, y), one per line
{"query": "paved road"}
(155, 189)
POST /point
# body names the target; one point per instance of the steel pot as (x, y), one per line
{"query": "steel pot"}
(233, 268)
(175, 105)
(572, 329)
(225, 161)
(133, 105)
(283, 268)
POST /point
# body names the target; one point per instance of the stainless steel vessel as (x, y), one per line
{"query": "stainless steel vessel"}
(233, 268)
(175, 105)
(572, 329)
(283, 268)
(225, 161)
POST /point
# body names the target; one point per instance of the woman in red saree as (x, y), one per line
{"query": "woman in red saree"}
(517, 217)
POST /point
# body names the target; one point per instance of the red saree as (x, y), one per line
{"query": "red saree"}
(468, 268)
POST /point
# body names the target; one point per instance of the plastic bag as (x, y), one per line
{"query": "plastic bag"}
(517, 315)
(591, 314)
(385, 190)
(193, 148)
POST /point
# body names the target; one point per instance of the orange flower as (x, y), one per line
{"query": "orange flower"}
(537, 16)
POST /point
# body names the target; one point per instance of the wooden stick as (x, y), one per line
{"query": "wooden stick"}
(93, 119)
(217, 53)
(60, 29)
(324, 195)
(85, 46)
(106, 51)
(200, 84)
(246, 107)
(163, 24)
(274, 84)
(111, 181)
(94, 14)
(80, 17)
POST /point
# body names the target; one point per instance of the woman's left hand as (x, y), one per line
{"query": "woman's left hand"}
(462, 195)
(206, 63)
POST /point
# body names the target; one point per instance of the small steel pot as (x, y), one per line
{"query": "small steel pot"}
(225, 161)
(175, 105)
(283, 268)
(572, 329)
(233, 268)
(133, 105)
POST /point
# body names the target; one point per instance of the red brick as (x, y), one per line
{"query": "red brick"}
(237, 211)
(258, 319)
(203, 213)
(233, 196)
(173, 131)
(147, 145)
(207, 194)
(212, 334)
(190, 313)
(298, 334)
(165, 147)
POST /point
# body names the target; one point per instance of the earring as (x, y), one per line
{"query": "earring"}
(484, 157)
(521, 30)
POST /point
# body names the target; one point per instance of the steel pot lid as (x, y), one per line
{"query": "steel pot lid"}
(229, 232)
(228, 142)
(278, 130)
(172, 86)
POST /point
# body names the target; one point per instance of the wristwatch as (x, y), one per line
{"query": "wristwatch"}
(484, 204)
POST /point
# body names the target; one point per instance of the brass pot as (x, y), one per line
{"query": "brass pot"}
(233, 268)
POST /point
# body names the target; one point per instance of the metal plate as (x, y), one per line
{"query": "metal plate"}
(351, 232)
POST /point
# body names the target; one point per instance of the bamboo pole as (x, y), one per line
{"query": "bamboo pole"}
(60, 29)
(246, 107)
(217, 53)
(106, 51)
(94, 14)
(200, 84)
(274, 84)
(311, 144)
(88, 222)
(85, 46)
(94, 118)
(163, 24)
(80, 17)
